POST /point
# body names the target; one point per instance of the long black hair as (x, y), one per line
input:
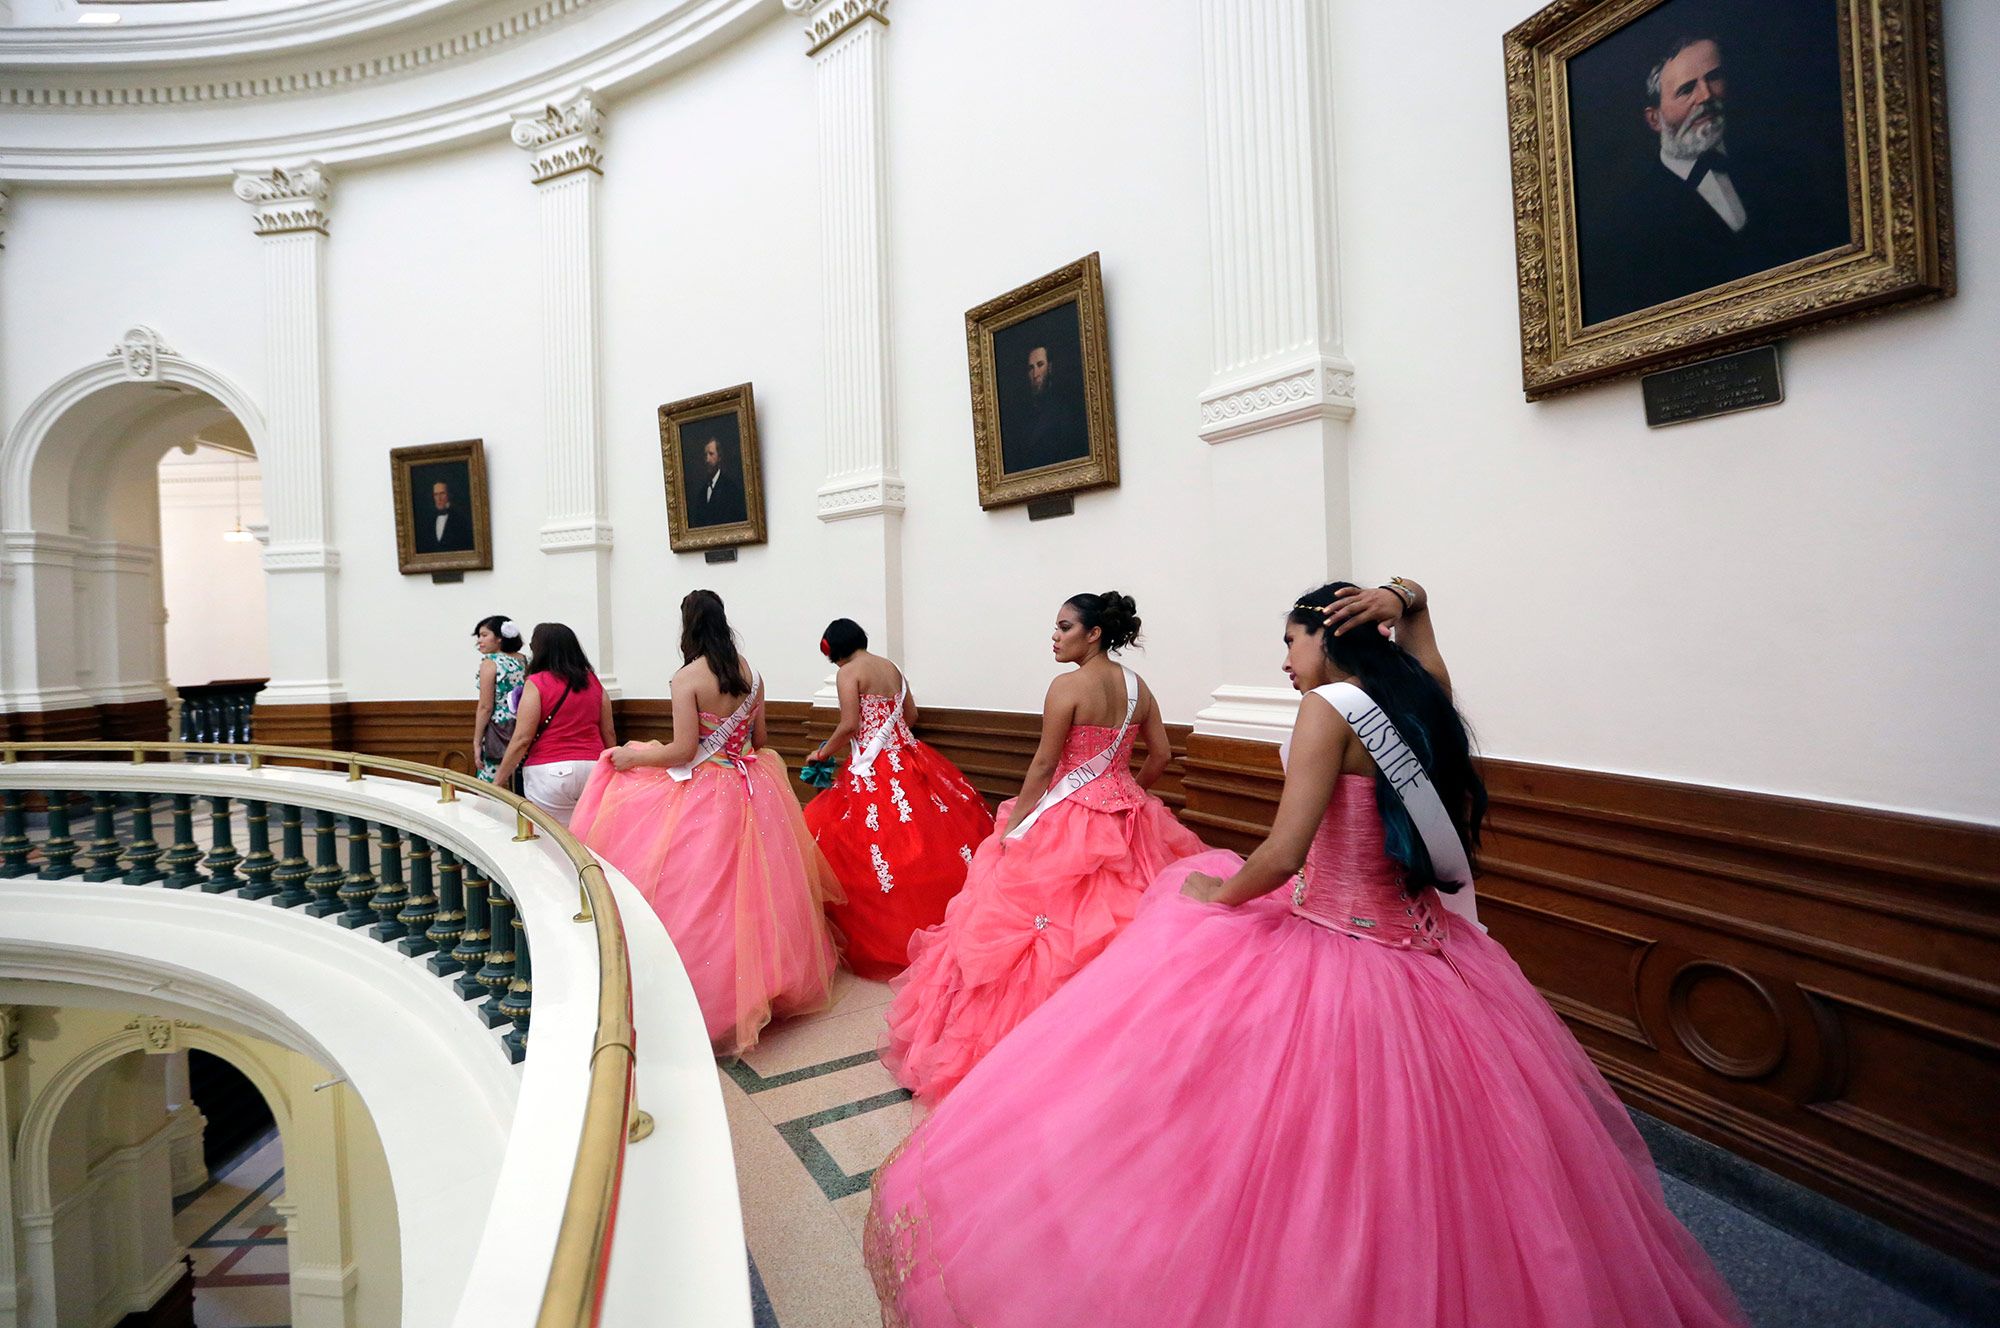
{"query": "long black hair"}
(842, 637)
(498, 624)
(1112, 613)
(1417, 704)
(557, 651)
(705, 635)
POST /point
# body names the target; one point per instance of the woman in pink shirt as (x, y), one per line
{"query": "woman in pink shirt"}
(563, 722)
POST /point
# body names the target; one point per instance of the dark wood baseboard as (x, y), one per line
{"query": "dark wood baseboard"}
(127, 721)
(1814, 987)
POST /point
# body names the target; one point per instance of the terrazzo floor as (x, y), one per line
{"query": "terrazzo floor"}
(237, 1240)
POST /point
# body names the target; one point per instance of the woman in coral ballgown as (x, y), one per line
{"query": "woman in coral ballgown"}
(1063, 874)
(1285, 1098)
(899, 824)
(708, 829)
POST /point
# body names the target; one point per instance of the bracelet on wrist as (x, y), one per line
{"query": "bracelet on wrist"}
(1402, 592)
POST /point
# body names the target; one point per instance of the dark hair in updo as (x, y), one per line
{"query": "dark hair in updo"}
(842, 637)
(1111, 613)
(705, 634)
(1420, 708)
(510, 644)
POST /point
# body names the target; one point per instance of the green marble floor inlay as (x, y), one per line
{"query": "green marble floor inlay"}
(826, 1173)
(750, 1081)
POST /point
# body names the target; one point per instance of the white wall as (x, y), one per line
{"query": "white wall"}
(213, 587)
(1787, 600)
(1796, 599)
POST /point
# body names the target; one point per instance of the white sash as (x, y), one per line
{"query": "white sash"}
(1406, 775)
(721, 735)
(864, 764)
(1090, 769)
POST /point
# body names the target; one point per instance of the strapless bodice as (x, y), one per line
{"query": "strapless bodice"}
(1115, 789)
(878, 713)
(1352, 886)
(738, 742)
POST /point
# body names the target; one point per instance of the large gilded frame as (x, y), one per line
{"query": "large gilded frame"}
(402, 460)
(737, 400)
(1082, 283)
(1899, 202)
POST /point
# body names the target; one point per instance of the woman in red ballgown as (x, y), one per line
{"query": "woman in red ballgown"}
(1048, 891)
(1289, 1097)
(899, 824)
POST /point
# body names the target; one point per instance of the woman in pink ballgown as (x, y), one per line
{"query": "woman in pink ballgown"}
(708, 829)
(1286, 1098)
(1062, 873)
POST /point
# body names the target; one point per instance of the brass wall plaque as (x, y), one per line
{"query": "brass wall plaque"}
(1728, 383)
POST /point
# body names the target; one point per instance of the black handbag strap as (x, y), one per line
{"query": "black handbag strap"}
(547, 720)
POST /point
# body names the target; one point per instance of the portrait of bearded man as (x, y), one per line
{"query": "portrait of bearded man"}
(1708, 155)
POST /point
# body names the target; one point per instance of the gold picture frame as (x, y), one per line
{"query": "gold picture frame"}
(1040, 359)
(454, 537)
(1890, 138)
(728, 509)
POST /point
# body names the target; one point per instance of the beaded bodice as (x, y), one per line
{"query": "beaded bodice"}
(1352, 886)
(1115, 789)
(876, 712)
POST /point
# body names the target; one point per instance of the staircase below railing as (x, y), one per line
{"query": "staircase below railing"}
(219, 711)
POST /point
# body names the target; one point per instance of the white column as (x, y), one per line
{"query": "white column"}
(566, 142)
(1281, 388)
(303, 567)
(123, 601)
(13, 1285)
(42, 628)
(862, 496)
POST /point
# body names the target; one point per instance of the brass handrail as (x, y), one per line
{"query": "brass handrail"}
(583, 1241)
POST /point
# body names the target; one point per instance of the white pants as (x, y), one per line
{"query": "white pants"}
(554, 786)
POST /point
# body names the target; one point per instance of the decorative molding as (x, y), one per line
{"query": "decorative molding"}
(139, 350)
(6, 199)
(231, 36)
(451, 90)
(827, 20)
(159, 1035)
(840, 500)
(563, 137)
(287, 201)
(1320, 388)
(575, 536)
(281, 558)
(1252, 714)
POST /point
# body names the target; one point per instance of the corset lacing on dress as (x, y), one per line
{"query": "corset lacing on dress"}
(1350, 884)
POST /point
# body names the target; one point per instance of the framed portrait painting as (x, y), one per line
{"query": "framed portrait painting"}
(443, 523)
(715, 480)
(1694, 176)
(1040, 358)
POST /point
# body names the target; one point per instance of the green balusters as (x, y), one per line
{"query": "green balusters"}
(14, 845)
(498, 970)
(59, 850)
(520, 995)
(292, 871)
(183, 857)
(327, 877)
(358, 887)
(470, 952)
(422, 907)
(222, 858)
(390, 895)
(449, 924)
(259, 862)
(104, 848)
(144, 851)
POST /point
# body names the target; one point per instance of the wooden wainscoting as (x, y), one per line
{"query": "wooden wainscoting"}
(1812, 986)
(129, 721)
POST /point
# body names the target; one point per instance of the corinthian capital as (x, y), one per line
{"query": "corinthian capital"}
(284, 201)
(565, 137)
(827, 20)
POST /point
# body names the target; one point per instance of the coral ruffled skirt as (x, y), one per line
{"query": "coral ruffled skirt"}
(725, 861)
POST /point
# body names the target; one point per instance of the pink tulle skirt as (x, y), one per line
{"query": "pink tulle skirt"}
(1238, 1117)
(727, 864)
(1033, 911)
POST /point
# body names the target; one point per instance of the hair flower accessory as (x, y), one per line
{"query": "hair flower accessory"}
(510, 628)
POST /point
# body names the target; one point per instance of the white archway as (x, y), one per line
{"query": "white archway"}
(79, 575)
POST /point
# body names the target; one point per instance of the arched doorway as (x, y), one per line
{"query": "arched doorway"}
(81, 592)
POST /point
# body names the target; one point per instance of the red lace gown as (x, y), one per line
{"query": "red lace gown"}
(899, 837)
(1034, 910)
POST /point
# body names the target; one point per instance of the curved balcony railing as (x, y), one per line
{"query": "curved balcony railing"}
(401, 887)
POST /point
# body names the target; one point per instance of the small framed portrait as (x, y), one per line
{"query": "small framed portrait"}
(715, 481)
(1042, 421)
(1694, 176)
(442, 521)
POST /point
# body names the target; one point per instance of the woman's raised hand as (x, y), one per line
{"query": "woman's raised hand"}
(627, 756)
(1354, 606)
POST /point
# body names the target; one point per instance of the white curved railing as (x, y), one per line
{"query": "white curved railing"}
(463, 1130)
